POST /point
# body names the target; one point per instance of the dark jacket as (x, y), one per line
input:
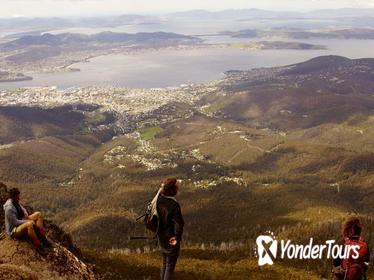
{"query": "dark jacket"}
(171, 222)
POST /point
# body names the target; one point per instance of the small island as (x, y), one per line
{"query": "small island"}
(277, 45)
(6, 76)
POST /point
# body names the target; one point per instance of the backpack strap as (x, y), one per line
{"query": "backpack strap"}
(170, 197)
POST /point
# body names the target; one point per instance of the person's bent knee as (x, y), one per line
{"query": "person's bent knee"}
(29, 224)
(38, 215)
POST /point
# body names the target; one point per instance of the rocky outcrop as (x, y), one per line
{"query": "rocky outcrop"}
(19, 259)
(3, 198)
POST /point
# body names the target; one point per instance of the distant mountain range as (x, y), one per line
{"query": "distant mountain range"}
(232, 13)
(54, 22)
(259, 13)
(103, 37)
(125, 19)
(294, 33)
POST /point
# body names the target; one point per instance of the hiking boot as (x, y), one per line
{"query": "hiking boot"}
(43, 239)
(46, 242)
(42, 250)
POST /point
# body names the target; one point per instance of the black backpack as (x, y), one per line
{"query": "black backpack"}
(151, 220)
(150, 216)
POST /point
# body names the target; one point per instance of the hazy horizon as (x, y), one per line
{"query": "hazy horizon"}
(86, 8)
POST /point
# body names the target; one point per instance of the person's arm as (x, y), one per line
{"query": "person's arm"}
(11, 216)
(337, 262)
(367, 258)
(178, 223)
(26, 215)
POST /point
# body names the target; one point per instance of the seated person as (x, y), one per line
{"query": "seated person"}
(18, 223)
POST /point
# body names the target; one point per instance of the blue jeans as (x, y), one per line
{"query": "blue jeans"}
(168, 264)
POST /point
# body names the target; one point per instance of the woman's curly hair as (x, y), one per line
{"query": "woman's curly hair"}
(352, 227)
(169, 187)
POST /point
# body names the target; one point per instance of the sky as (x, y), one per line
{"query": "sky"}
(47, 8)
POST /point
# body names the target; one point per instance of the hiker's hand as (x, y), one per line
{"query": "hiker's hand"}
(337, 270)
(173, 241)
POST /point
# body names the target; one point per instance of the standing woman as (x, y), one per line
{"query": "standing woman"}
(170, 229)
